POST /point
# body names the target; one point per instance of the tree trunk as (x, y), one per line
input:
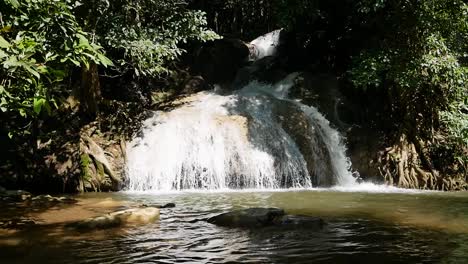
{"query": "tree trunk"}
(89, 92)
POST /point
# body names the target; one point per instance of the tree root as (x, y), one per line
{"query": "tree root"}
(406, 165)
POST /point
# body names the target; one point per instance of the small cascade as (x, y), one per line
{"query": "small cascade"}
(266, 45)
(252, 138)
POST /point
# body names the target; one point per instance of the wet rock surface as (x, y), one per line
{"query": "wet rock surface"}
(168, 205)
(265, 217)
(44, 199)
(219, 60)
(14, 195)
(18, 196)
(119, 218)
(252, 217)
(17, 223)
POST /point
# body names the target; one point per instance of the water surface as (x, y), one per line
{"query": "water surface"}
(389, 226)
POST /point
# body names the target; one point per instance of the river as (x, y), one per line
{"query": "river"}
(364, 225)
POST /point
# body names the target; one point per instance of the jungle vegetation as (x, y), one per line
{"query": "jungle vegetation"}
(407, 60)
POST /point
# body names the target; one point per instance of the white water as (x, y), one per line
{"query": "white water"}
(265, 45)
(219, 142)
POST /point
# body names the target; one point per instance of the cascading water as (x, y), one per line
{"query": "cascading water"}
(253, 138)
(266, 45)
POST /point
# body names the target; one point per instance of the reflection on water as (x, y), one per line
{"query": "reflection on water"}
(362, 228)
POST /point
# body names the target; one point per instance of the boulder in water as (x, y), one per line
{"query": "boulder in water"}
(251, 217)
(299, 221)
(130, 216)
(48, 199)
(17, 223)
(15, 195)
(168, 205)
(265, 217)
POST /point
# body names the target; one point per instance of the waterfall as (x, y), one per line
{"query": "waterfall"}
(253, 138)
(266, 45)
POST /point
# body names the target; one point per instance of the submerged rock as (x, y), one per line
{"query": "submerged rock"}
(265, 217)
(44, 199)
(251, 217)
(15, 195)
(17, 223)
(130, 216)
(168, 205)
(299, 221)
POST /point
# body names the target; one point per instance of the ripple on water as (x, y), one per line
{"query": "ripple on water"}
(362, 228)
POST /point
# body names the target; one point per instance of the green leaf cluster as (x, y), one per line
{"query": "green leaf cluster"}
(146, 37)
(43, 42)
(420, 61)
(40, 42)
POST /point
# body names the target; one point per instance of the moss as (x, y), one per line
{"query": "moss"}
(85, 161)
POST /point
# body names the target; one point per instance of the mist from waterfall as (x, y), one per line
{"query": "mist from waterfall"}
(234, 142)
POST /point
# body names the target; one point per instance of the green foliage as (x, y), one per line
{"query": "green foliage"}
(146, 36)
(40, 41)
(419, 62)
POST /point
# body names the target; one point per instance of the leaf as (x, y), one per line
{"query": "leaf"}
(6, 28)
(22, 112)
(3, 43)
(31, 70)
(83, 41)
(14, 3)
(104, 60)
(37, 105)
(3, 54)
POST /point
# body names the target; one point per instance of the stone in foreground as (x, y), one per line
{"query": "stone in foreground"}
(46, 199)
(265, 217)
(120, 218)
(14, 195)
(251, 217)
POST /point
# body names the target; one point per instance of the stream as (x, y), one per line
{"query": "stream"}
(367, 224)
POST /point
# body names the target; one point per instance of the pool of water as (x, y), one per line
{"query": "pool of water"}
(363, 226)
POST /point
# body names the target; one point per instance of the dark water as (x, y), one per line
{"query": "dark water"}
(362, 228)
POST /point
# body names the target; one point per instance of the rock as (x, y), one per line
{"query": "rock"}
(101, 163)
(306, 134)
(298, 221)
(51, 199)
(168, 205)
(250, 218)
(120, 218)
(266, 70)
(17, 223)
(219, 60)
(195, 84)
(265, 217)
(15, 195)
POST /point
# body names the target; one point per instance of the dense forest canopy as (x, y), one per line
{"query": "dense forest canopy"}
(406, 60)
